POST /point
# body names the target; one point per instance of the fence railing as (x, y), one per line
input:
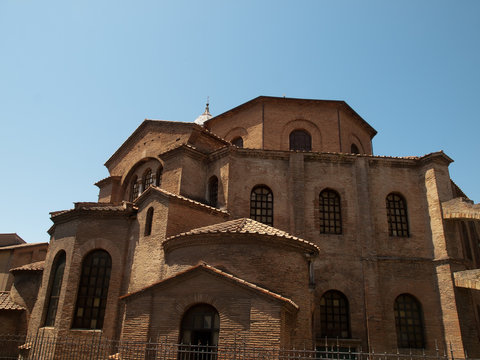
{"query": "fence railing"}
(101, 348)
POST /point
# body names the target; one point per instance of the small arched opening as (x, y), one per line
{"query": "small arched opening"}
(300, 140)
(199, 333)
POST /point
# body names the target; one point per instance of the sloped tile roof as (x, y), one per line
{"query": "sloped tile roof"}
(469, 279)
(20, 246)
(222, 274)
(179, 197)
(6, 303)
(95, 206)
(242, 226)
(36, 266)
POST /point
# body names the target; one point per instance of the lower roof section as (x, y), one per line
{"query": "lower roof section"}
(469, 279)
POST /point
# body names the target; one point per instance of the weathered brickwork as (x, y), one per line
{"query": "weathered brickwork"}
(184, 246)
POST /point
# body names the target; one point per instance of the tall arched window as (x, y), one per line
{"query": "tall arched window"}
(147, 179)
(93, 290)
(134, 188)
(334, 315)
(213, 191)
(330, 213)
(475, 242)
(261, 204)
(466, 241)
(148, 222)
(397, 215)
(199, 332)
(300, 140)
(56, 280)
(409, 322)
(238, 142)
(354, 149)
(158, 177)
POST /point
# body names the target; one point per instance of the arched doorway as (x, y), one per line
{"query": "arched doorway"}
(199, 333)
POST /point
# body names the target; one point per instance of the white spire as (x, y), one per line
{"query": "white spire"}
(206, 114)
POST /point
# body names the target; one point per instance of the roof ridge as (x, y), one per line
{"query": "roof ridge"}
(181, 197)
(246, 225)
(243, 222)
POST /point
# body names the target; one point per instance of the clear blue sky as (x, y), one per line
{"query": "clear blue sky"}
(77, 78)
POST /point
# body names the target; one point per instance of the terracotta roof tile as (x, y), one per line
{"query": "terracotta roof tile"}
(19, 246)
(249, 284)
(6, 303)
(180, 197)
(36, 266)
(94, 206)
(316, 153)
(242, 226)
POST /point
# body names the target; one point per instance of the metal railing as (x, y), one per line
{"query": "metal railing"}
(97, 347)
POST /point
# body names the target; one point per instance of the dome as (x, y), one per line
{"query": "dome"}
(204, 117)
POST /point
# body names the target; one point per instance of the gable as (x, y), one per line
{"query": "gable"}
(151, 138)
(206, 279)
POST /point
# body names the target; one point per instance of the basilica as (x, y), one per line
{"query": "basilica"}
(273, 223)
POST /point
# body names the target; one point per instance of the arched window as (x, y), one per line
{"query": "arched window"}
(354, 149)
(158, 177)
(334, 315)
(199, 332)
(261, 204)
(330, 213)
(213, 191)
(56, 280)
(238, 142)
(134, 188)
(148, 222)
(300, 140)
(466, 241)
(409, 322)
(475, 242)
(147, 179)
(397, 215)
(93, 290)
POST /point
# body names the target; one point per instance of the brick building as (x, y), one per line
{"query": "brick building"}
(272, 223)
(22, 263)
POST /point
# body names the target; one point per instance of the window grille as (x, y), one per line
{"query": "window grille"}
(409, 322)
(334, 315)
(147, 179)
(93, 290)
(397, 215)
(134, 189)
(261, 204)
(55, 288)
(330, 213)
(300, 140)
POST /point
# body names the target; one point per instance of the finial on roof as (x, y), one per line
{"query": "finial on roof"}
(206, 114)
